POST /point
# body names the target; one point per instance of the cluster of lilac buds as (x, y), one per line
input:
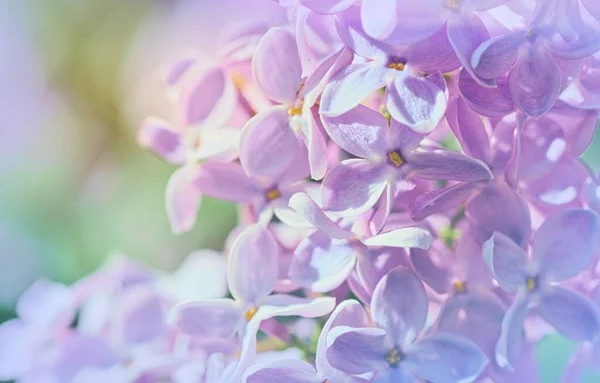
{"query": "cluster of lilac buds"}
(412, 206)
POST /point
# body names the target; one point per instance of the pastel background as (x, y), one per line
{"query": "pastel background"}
(76, 77)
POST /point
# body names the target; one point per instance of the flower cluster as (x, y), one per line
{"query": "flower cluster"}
(412, 206)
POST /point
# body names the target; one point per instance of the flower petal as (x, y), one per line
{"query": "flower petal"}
(445, 358)
(468, 128)
(486, 101)
(572, 314)
(496, 56)
(159, 136)
(316, 145)
(566, 243)
(442, 200)
(379, 17)
(506, 261)
(307, 208)
(498, 208)
(447, 165)
(347, 313)
(182, 199)
(289, 305)
(416, 237)
(534, 83)
(321, 263)
(401, 137)
(416, 102)
(268, 145)
(511, 338)
(209, 100)
(226, 181)
(399, 305)
(327, 7)
(433, 54)
(206, 319)
(286, 370)
(354, 186)
(253, 260)
(276, 66)
(360, 131)
(465, 34)
(17, 350)
(351, 86)
(356, 350)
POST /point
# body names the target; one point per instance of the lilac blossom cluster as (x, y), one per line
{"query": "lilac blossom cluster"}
(412, 205)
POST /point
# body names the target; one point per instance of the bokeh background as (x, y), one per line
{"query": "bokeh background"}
(76, 78)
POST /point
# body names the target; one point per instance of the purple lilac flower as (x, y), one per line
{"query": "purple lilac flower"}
(393, 349)
(572, 231)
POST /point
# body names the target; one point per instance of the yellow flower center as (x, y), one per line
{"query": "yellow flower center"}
(396, 158)
(273, 194)
(295, 111)
(248, 315)
(238, 80)
(531, 284)
(397, 66)
(453, 5)
(393, 357)
(460, 286)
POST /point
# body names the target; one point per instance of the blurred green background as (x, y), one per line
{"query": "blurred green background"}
(76, 77)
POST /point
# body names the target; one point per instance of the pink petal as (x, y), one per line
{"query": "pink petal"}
(182, 200)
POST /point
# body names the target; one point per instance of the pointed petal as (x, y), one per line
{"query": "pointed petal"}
(351, 86)
(534, 82)
(159, 136)
(226, 181)
(356, 350)
(321, 263)
(445, 358)
(506, 261)
(442, 200)
(182, 199)
(496, 56)
(447, 165)
(350, 30)
(253, 261)
(308, 209)
(379, 17)
(468, 128)
(206, 319)
(486, 101)
(399, 305)
(465, 34)
(353, 186)
(316, 145)
(268, 145)
(276, 66)
(567, 243)
(510, 343)
(404, 237)
(360, 131)
(572, 314)
(416, 102)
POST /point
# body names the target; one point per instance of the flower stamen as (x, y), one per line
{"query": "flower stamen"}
(273, 194)
(248, 315)
(460, 286)
(393, 357)
(396, 158)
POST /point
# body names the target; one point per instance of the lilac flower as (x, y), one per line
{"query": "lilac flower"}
(532, 58)
(347, 313)
(265, 195)
(275, 132)
(572, 231)
(393, 349)
(387, 161)
(412, 99)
